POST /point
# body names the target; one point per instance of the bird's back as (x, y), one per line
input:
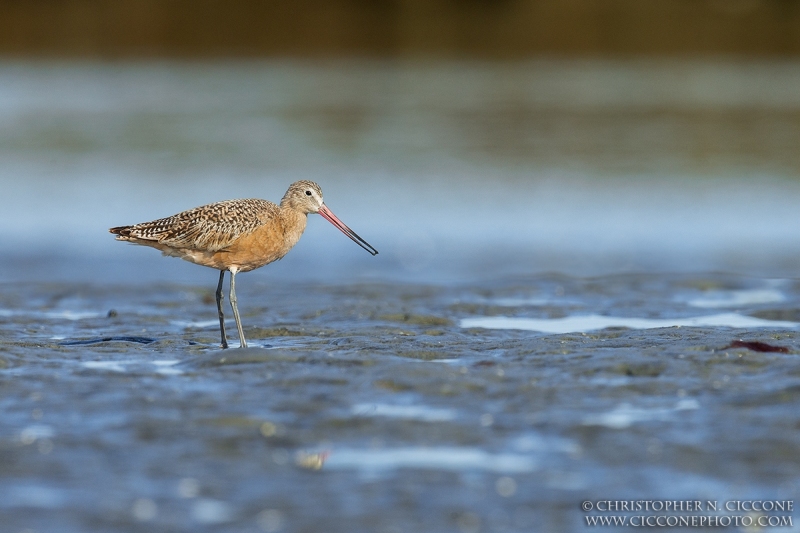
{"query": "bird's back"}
(207, 228)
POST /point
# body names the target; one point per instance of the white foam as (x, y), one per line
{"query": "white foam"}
(414, 412)
(444, 458)
(582, 323)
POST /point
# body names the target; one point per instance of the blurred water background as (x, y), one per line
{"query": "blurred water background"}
(452, 169)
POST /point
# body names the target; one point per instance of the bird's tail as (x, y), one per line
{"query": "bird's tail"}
(122, 232)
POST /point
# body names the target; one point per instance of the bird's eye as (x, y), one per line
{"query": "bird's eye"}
(308, 193)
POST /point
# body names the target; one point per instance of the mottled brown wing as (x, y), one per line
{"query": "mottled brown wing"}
(211, 227)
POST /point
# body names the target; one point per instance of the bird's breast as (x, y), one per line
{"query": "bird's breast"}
(269, 242)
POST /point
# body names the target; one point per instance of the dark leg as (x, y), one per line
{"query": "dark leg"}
(219, 310)
(236, 310)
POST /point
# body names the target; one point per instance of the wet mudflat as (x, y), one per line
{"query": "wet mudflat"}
(488, 406)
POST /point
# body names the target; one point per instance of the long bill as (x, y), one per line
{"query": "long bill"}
(330, 217)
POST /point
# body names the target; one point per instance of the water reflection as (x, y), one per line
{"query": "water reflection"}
(583, 323)
(740, 298)
(437, 458)
(412, 412)
(625, 415)
(164, 367)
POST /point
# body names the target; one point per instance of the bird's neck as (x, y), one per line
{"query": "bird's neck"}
(294, 224)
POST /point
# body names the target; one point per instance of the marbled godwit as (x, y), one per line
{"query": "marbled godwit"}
(237, 236)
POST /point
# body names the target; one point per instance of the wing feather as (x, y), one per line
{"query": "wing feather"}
(211, 227)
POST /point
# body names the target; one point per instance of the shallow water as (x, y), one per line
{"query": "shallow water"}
(370, 407)
(586, 290)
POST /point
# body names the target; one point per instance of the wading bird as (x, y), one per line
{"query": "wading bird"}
(237, 236)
